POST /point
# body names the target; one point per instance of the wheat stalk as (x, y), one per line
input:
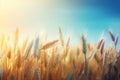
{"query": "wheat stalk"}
(102, 47)
(84, 47)
(16, 38)
(18, 60)
(61, 37)
(24, 45)
(84, 50)
(116, 41)
(28, 50)
(91, 56)
(112, 36)
(99, 43)
(68, 41)
(104, 58)
(49, 44)
(36, 47)
(78, 53)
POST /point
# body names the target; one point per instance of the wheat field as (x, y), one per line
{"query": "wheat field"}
(58, 59)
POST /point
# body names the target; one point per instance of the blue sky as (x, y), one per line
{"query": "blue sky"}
(90, 17)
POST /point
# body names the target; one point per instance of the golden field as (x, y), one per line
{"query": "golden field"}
(57, 59)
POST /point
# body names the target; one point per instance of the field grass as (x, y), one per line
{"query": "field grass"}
(57, 59)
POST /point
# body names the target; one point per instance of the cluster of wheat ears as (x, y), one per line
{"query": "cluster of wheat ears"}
(58, 60)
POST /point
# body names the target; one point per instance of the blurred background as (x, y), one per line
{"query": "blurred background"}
(91, 17)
